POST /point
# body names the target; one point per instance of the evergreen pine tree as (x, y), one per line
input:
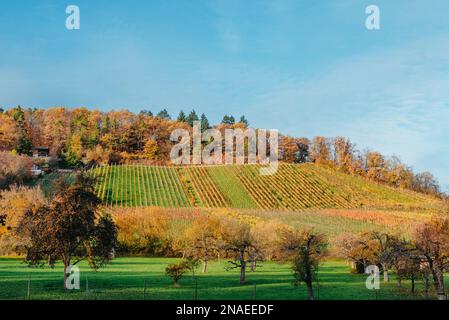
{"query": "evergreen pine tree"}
(243, 120)
(228, 119)
(146, 113)
(204, 122)
(182, 116)
(192, 117)
(163, 114)
(24, 145)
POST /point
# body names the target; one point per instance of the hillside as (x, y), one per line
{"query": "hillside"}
(293, 188)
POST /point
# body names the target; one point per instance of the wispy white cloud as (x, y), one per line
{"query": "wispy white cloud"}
(392, 100)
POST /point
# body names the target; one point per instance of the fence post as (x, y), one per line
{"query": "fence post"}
(87, 288)
(29, 287)
(195, 297)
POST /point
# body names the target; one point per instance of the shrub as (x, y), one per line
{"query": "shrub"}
(176, 271)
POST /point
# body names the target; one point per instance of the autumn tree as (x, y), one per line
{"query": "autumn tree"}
(141, 230)
(320, 151)
(9, 135)
(432, 242)
(344, 151)
(150, 149)
(98, 155)
(405, 261)
(204, 239)
(372, 247)
(35, 125)
(375, 166)
(139, 130)
(14, 169)
(56, 129)
(69, 228)
(360, 250)
(267, 234)
(304, 250)
(387, 245)
(14, 203)
(240, 246)
(74, 153)
(288, 149)
(176, 271)
(425, 182)
(398, 174)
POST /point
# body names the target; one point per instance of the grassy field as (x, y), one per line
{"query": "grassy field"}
(126, 278)
(292, 188)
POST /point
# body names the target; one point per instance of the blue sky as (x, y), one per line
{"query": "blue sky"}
(303, 67)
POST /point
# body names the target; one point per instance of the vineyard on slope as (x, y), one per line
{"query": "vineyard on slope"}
(292, 188)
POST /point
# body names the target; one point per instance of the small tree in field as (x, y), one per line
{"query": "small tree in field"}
(204, 239)
(383, 246)
(69, 228)
(406, 263)
(432, 242)
(304, 250)
(240, 246)
(191, 264)
(367, 248)
(176, 271)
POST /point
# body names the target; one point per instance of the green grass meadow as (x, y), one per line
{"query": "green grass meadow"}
(143, 278)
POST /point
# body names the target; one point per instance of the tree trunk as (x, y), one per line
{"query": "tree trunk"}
(413, 283)
(309, 291)
(439, 286)
(385, 271)
(242, 271)
(204, 266)
(360, 267)
(426, 286)
(66, 275)
(253, 265)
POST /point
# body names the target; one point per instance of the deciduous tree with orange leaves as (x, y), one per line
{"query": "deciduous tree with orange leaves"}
(432, 242)
(69, 228)
(304, 250)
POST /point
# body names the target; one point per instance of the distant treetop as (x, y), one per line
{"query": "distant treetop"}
(163, 114)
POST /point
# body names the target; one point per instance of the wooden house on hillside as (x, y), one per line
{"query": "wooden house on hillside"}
(41, 152)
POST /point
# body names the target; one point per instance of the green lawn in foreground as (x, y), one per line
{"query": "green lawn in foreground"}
(124, 278)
